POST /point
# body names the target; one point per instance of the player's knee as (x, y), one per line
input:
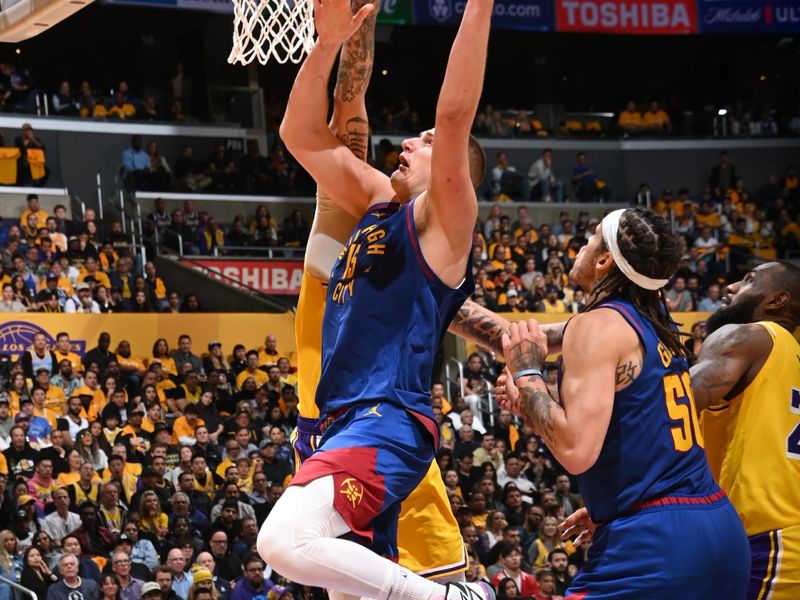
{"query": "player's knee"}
(275, 541)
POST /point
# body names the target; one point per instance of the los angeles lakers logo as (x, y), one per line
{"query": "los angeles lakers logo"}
(352, 489)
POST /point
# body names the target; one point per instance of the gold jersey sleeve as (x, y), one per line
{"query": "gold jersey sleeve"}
(753, 441)
(308, 336)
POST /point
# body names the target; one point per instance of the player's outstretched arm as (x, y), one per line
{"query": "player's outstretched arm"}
(726, 358)
(349, 122)
(478, 324)
(481, 326)
(305, 130)
(333, 224)
(450, 205)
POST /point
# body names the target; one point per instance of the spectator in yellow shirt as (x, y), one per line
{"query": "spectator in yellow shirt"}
(552, 303)
(286, 372)
(35, 209)
(252, 370)
(184, 427)
(656, 119)
(190, 390)
(154, 413)
(156, 286)
(630, 119)
(121, 109)
(91, 269)
(54, 398)
(706, 216)
(161, 355)
(131, 368)
(59, 239)
(64, 285)
(665, 203)
(269, 355)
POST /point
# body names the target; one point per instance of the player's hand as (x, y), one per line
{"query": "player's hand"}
(507, 394)
(524, 346)
(578, 522)
(335, 21)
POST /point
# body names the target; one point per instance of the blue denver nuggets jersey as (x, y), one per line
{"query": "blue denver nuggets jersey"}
(653, 447)
(385, 316)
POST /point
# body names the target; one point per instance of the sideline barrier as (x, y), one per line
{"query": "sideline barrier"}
(142, 330)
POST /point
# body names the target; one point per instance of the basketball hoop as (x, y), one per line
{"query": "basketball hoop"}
(278, 29)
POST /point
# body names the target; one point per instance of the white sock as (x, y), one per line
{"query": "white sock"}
(410, 586)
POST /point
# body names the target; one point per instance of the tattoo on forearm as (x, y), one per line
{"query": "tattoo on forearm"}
(712, 378)
(710, 382)
(626, 373)
(537, 409)
(525, 355)
(356, 136)
(472, 323)
(355, 61)
(554, 334)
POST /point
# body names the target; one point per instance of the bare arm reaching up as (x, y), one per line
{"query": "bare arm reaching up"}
(333, 224)
(305, 130)
(446, 214)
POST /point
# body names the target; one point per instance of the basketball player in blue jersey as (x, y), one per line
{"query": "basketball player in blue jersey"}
(429, 540)
(627, 426)
(398, 283)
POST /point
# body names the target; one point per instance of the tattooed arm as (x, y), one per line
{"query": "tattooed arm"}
(729, 360)
(593, 348)
(333, 224)
(477, 324)
(349, 121)
(305, 129)
(480, 325)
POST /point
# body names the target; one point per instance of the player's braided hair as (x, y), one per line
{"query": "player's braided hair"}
(648, 243)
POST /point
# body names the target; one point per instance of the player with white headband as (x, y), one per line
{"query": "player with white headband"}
(626, 425)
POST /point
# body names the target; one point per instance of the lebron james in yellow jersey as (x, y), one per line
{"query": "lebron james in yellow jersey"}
(747, 382)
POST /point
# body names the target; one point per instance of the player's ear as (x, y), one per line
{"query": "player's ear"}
(604, 263)
(778, 300)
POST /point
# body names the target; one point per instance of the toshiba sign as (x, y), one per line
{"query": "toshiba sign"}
(269, 277)
(662, 17)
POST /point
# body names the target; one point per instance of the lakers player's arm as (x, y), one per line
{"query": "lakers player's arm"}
(445, 215)
(574, 429)
(332, 224)
(481, 326)
(304, 129)
(349, 122)
(729, 360)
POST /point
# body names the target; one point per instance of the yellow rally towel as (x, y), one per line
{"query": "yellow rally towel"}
(36, 162)
(8, 165)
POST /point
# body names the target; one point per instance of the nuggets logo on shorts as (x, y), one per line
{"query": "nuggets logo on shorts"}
(352, 489)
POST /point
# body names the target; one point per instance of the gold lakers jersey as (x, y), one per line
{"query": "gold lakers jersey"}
(753, 441)
(308, 337)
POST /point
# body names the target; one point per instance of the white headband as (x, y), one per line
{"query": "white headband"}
(610, 227)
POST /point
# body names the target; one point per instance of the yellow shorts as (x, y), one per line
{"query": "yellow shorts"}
(428, 536)
(775, 571)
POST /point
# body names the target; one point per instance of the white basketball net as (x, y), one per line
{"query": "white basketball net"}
(281, 29)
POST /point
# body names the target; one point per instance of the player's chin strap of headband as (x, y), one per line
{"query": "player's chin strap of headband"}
(610, 227)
